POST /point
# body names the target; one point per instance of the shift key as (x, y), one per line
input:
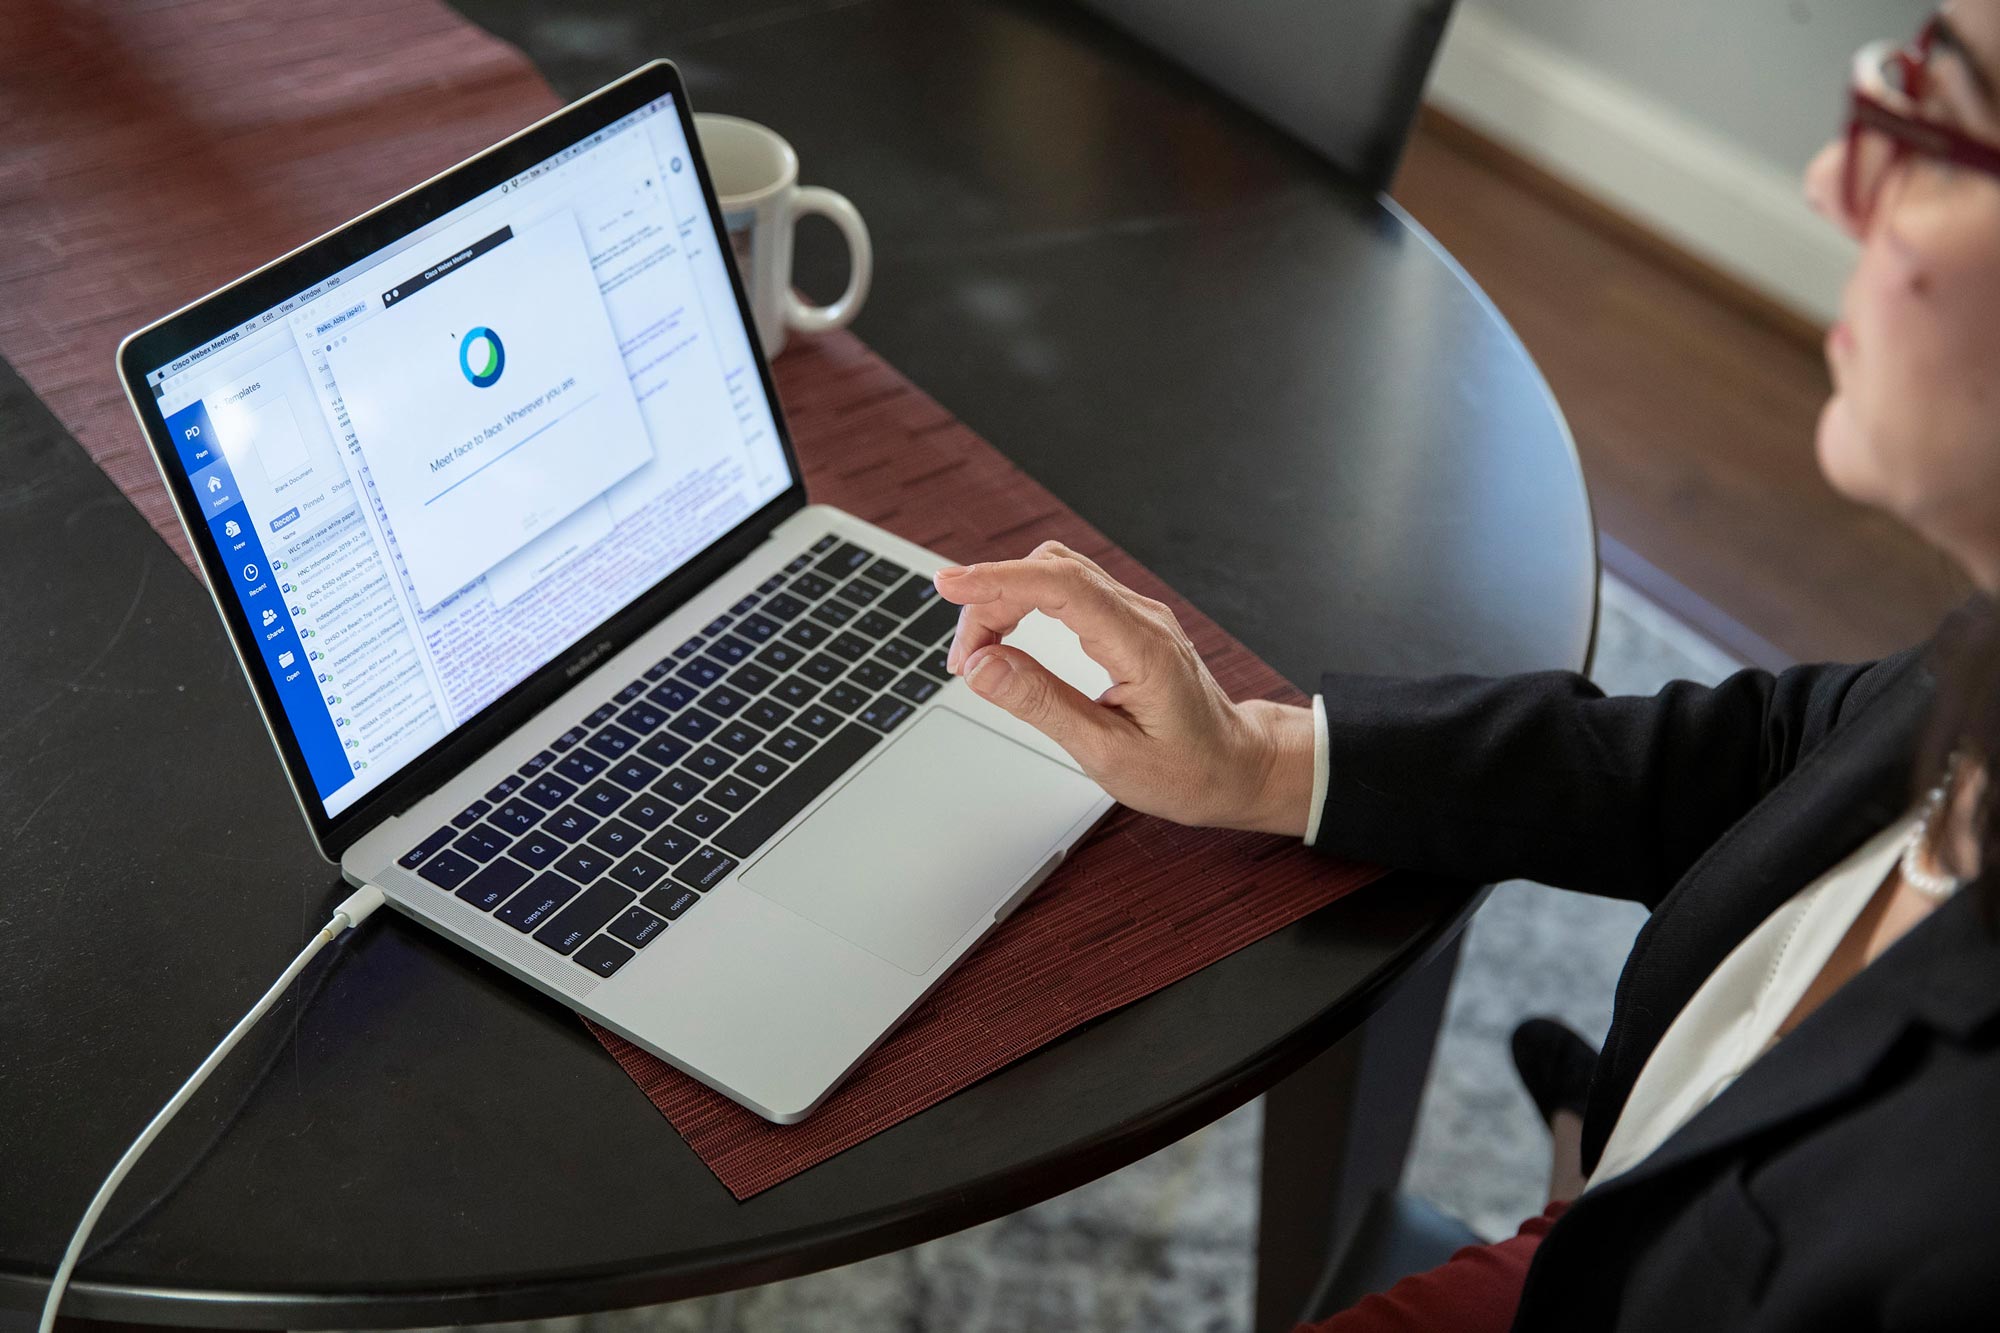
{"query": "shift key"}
(583, 918)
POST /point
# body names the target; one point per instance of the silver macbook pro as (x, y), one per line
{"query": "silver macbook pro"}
(495, 499)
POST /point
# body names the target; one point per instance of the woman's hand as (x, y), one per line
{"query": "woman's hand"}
(1164, 739)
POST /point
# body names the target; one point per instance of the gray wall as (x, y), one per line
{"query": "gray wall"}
(1769, 75)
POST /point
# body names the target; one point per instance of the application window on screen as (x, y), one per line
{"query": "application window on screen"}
(432, 473)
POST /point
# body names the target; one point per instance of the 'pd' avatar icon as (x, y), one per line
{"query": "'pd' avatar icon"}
(481, 357)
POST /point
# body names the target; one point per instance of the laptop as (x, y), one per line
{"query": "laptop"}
(495, 499)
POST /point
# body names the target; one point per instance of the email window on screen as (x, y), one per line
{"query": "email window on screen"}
(491, 404)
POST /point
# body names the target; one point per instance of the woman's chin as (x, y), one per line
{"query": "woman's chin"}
(1843, 454)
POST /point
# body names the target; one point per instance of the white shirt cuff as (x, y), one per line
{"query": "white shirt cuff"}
(1319, 770)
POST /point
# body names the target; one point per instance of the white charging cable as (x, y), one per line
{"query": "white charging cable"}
(358, 907)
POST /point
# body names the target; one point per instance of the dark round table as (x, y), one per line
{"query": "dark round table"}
(1265, 383)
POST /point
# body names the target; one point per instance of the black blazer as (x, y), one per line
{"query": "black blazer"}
(1851, 1177)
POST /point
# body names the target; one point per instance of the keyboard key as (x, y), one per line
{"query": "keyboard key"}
(811, 587)
(825, 543)
(781, 655)
(701, 673)
(701, 819)
(887, 712)
(570, 823)
(424, 850)
(673, 696)
(849, 646)
(495, 884)
(633, 774)
(844, 697)
(808, 634)
(859, 592)
(784, 607)
(824, 668)
(689, 649)
(602, 798)
(771, 584)
(729, 650)
(693, 724)
(669, 845)
(665, 751)
(537, 764)
(935, 665)
(758, 629)
(845, 559)
(820, 722)
(752, 678)
(629, 693)
(643, 718)
(603, 956)
(533, 905)
(659, 669)
(469, 816)
(600, 715)
(716, 626)
(581, 766)
(790, 745)
(940, 620)
(616, 838)
(724, 701)
(798, 563)
(833, 613)
(743, 607)
(709, 762)
(593, 908)
(762, 769)
(647, 811)
(875, 625)
(739, 738)
(775, 808)
(908, 597)
(670, 902)
(768, 714)
(704, 870)
(517, 816)
(885, 572)
(899, 652)
(681, 786)
(639, 872)
(448, 870)
(482, 843)
(916, 688)
(797, 691)
(873, 675)
(506, 787)
(636, 928)
(611, 741)
(573, 737)
(583, 864)
(537, 850)
(733, 794)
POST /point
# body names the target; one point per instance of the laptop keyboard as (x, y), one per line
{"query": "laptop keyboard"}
(615, 831)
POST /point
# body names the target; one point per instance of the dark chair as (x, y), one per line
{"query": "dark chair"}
(1345, 76)
(1398, 1235)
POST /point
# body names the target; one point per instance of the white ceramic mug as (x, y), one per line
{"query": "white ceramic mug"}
(756, 175)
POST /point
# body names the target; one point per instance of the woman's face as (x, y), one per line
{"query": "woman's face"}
(1913, 426)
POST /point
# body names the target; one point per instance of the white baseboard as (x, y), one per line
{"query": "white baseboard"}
(1707, 195)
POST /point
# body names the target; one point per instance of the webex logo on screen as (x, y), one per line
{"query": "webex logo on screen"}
(481, 357)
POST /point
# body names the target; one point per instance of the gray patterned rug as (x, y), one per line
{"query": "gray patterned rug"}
(1166, 1244)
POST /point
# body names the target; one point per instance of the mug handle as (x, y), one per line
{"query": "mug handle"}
(807, 318)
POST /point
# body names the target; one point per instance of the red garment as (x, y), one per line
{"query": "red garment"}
(1477, 1290)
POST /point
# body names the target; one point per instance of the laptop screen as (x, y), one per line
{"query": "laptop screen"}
(435, 470)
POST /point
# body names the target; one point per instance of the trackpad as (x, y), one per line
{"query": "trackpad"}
(926, 841)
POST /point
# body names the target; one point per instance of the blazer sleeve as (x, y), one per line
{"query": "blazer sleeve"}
(1544, 777)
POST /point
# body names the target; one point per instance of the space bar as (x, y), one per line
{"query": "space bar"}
(795, 791)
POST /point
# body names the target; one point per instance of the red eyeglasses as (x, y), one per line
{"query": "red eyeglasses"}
(1886, 126)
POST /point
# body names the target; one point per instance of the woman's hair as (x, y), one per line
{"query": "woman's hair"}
(1965, 721)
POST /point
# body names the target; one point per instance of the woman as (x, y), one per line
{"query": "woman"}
(1795, 1120)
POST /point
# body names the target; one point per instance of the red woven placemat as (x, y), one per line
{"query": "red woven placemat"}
(220, 132)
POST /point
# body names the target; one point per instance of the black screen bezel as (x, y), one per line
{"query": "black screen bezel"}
(178, 334)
